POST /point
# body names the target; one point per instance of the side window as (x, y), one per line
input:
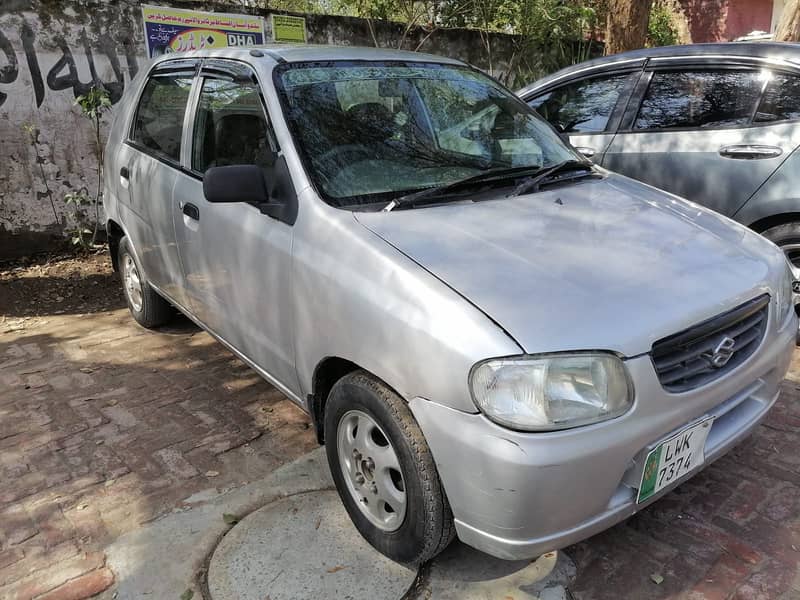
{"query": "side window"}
(581, 107)
(230, 126)
(701, 99)
(781, 101)
(159, 116)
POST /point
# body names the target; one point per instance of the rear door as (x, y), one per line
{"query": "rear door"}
(587, 109)
(149, 167)
(699, 131)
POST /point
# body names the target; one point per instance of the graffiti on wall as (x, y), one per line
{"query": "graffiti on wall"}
(65, 74)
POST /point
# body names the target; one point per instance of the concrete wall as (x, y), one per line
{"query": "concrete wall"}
(51, 51)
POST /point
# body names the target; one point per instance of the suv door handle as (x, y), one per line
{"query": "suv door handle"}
(750, 151)
(191, 211)
(124, 173)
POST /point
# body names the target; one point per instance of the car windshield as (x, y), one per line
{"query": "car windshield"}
(372, 132)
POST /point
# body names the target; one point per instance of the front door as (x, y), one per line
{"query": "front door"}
(236, 260)
(587, 110)
(699, 133)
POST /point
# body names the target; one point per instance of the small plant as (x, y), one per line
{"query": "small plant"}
(660, 30)
(94, 104)
(33, 137)
(81, 236)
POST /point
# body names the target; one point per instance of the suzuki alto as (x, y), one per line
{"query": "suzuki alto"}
(494, 338)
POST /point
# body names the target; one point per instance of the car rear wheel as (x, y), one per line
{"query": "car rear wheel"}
(384, 471)
(146, 306)
(787, 238)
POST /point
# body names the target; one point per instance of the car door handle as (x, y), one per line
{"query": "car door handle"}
(124, 173)
(191, 211)
(586, 151)
(750, 151)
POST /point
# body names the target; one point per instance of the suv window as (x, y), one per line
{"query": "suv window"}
(702, 99)
(581, 107)
(230, 126)
(781, 101)
(159, 117)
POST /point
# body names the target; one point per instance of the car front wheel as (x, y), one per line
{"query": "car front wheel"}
(384, 471)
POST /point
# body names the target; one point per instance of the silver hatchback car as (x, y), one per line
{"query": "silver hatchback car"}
(494, 338)
(718, 124)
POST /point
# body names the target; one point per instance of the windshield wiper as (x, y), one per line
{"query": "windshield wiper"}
(531, 184)
(439, 190)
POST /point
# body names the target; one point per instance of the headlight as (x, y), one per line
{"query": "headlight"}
(784, 296)
(551, 392)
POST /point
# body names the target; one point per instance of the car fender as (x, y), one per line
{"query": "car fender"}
(358, 298)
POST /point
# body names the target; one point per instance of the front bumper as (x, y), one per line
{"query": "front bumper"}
(516, 495)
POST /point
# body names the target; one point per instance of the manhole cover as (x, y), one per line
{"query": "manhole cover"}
(302, 547)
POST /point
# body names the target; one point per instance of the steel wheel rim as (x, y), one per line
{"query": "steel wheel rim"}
(132, 282)
(371, 470)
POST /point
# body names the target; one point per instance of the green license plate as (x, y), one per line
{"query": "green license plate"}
(673, 458)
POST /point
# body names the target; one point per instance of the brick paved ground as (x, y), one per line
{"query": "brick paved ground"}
(104, 426)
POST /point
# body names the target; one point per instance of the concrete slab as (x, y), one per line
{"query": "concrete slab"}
(297, 542)
(303, 547)
(462, 573)
(164, 557)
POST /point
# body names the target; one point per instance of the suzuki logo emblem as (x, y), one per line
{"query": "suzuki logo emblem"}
(721, 353)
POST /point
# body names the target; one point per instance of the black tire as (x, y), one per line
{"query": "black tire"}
(152, 311)
(787, 238)
(427, 527)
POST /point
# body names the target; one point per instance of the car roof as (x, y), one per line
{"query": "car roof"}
(311, 52)
(780, 51)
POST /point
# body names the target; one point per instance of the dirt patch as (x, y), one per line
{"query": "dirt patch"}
(57, 285)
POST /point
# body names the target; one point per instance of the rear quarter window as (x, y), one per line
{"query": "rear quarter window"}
(158, 125)
(781, 101)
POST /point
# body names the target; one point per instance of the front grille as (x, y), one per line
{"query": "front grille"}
(706, 351)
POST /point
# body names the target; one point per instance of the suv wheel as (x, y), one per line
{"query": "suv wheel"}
(787, 238)
(384, 471)
(147, 307)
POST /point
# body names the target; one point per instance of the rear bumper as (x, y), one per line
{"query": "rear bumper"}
(517, 495)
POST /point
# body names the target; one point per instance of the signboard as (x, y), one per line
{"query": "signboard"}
(286, 28)
(177, 30)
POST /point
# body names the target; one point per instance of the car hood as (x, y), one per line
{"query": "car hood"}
(606, 264)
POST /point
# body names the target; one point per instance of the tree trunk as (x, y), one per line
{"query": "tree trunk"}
(626, 26)
(789, 26)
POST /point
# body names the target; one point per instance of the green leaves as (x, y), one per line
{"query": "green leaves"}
(660, 29)
(78, 198)
(230, 519)
(94, 103)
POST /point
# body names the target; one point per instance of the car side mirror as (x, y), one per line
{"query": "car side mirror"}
(275, 197)
(236, 183)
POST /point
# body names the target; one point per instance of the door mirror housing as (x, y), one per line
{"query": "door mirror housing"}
(275, 197)
(236, 183)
